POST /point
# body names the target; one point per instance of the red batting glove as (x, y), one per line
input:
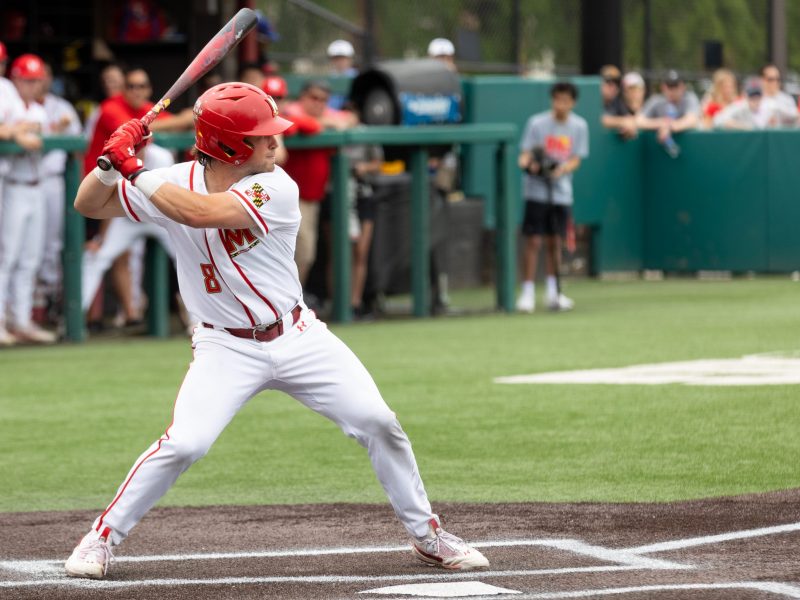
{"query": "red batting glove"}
(122, 146)
(139, 132)
(121, 151)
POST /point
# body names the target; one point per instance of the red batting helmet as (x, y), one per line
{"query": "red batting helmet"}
(27, 66)
(3, 52)
(275, 86)
(229, 112)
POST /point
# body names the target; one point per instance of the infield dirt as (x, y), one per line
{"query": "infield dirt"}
(231, 529)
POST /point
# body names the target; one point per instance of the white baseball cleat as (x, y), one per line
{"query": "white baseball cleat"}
(90, 558)
(6, 339)
(526, 303)
(34, 334)
(560, 303)
(442, 549)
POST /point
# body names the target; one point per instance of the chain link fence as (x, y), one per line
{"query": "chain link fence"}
(536, 36)
(491, 36)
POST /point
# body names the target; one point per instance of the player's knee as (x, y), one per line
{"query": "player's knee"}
(383, 424)
(190, 450)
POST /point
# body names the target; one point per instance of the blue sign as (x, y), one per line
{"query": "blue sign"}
(426, 109)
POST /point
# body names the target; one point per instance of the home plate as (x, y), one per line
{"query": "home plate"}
(455, 589)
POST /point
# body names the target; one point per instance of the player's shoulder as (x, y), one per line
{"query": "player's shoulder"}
(278, 181)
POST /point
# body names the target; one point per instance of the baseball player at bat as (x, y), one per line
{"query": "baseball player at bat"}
(232, 216)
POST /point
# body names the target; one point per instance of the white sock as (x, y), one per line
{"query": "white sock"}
(528, 288)
(552, 286)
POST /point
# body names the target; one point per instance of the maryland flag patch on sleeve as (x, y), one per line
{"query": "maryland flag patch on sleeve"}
(257, 194)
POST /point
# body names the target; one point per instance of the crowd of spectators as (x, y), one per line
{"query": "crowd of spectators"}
(758, 103)
(31, 231)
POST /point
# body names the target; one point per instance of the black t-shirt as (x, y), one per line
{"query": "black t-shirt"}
(617, 108)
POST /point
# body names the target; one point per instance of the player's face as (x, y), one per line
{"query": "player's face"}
(263, 157)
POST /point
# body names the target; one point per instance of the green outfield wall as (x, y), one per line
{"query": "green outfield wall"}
(730, 201)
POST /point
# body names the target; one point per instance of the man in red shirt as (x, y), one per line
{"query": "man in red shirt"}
(132, 103)
(311, 168)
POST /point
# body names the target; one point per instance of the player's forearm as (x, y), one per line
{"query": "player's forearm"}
(97, 200)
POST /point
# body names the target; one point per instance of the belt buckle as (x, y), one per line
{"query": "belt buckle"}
(255, 331)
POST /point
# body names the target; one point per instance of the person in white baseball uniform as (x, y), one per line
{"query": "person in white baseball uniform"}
(233, 216)
(22, 228)
(61, 120)
(122, 235)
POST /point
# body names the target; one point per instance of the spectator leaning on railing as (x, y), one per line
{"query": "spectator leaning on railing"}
(749, 112)
(621, 113)
(310, 168)
(723, 92)
(674, 110)
(780, 105)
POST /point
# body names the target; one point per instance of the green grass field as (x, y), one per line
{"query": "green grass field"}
(74, 418)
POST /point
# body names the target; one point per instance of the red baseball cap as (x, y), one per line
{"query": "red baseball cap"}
(275, 86)
(28, 66)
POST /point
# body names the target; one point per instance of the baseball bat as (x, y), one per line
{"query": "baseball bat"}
(209, 57)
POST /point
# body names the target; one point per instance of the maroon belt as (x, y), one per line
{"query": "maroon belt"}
(267, 334)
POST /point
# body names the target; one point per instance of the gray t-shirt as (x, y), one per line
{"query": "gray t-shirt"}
(658, 106)
(560, 141)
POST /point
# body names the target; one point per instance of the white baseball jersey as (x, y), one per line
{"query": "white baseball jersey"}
(232, 278)
(56, 109)
(26, 167)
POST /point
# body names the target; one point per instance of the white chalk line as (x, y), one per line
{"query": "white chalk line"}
(629, 556)
(576, 546)
(714, 539)
(623, 557)
(773, 587)
(108, 583)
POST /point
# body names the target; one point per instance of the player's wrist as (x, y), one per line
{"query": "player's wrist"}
(109, 177)
(147, 182)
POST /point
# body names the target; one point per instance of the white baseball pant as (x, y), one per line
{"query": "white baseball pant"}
(49, 277)
(120, 236)
(307, 362)
(21, 248)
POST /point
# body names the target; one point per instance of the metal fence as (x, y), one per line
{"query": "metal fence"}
(536, 36)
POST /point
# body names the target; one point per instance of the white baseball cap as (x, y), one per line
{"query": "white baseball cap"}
(341, 48)
(441, 47)
(632, 79)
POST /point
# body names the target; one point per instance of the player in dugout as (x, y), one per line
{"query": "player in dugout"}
(233, 217)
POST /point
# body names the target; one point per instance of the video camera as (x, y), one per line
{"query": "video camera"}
(546, 163)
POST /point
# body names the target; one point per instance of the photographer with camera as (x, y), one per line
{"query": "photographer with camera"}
(552, 147)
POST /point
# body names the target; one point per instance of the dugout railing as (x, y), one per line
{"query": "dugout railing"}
(417, 140)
